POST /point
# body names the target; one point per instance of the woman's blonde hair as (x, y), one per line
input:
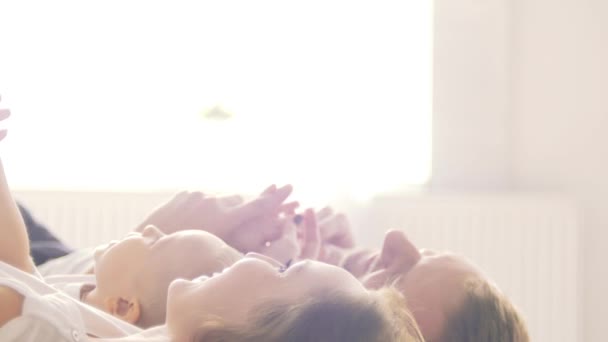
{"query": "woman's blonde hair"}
(484, 315)
(326, 317)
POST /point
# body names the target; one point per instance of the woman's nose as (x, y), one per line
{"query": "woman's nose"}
(267, 259)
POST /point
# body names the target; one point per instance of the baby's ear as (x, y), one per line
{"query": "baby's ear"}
(127, 309)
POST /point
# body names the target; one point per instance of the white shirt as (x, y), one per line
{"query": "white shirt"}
(71, 284)
(77, 262)
(68, 274)
(51, 315)
(44, 317)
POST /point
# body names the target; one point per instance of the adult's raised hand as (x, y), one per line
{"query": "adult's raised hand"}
(4, 113)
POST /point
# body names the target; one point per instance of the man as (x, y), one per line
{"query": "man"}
(451, 299)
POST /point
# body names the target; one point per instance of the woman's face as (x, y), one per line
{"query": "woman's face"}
(232, 294)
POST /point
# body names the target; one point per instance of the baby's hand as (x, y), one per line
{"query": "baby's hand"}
(4, 113)
(299, 239)
(336, 236)
(285, 248)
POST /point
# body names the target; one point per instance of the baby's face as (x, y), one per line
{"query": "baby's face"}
(123, 267)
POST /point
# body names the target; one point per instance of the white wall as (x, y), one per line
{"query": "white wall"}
(471, 80)
(522, 104)
(560, 137)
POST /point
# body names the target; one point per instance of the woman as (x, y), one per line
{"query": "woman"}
(254, 300)
(251, 301)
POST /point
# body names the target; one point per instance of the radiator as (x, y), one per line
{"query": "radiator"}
(85, 219)
(529, 244)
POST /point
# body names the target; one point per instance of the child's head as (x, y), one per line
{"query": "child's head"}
(133, 275)
(450, 298)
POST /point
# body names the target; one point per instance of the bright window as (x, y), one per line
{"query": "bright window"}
(332, 96)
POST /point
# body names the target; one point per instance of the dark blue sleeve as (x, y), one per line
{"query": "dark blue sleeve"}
(44, 246)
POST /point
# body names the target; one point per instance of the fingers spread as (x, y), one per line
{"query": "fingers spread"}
(289, 208)
(4, 113)
(265, 205)
(337, 231)
(270, 190)
(311, 237)
(324, 213)
(231, 201)
(252, 236)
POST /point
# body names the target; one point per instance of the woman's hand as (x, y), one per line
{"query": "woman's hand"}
(324, 236)
(335, 236)
(299, 239)
(335, 228)
(4, 113)
(14, 245)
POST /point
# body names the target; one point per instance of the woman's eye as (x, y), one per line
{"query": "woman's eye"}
(284, 268)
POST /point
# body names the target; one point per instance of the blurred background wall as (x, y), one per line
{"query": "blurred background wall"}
(521, 104)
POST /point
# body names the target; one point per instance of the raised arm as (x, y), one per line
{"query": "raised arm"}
(227, 217)
(14, 243)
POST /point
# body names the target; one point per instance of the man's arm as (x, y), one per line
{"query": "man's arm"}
(230, 218)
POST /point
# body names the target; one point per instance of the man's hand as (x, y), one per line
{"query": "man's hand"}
(217, 215)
